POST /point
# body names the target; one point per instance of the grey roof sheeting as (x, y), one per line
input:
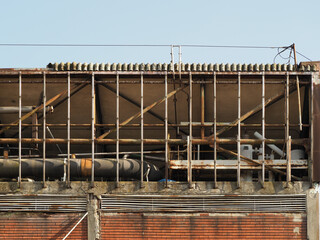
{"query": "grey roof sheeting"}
(193, 67)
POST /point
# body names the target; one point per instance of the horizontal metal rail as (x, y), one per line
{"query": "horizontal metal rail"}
(300, 141)
(42, 203)
(213, 203)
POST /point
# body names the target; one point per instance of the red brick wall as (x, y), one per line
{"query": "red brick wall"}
(41, 226)
(203, 226)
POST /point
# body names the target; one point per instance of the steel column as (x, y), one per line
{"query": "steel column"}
(166, 125)
(287, 128)
(190, 132)
(117, 133)
(239, 130)
(263, 129)
(68, 130)
(215, 128)
(20, 124)
(141, 128)
(92, 128)
(44, 129)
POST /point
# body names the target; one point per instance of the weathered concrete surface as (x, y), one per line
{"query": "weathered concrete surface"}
(83, 188)
(93, 218)
(313, 213)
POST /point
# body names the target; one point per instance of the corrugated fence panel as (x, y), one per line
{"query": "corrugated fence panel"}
(213, 203)
(42, 226)
(203, 226)
(43, 203)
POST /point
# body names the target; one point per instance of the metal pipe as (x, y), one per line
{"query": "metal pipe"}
(20, 129)
(271, 146)
(117, 133)
(65, 237)
(263, 129)
(141, 128)
(92, 128)
(24, 109)
(215, 128)
(239, 131)
(68, 130)
(44, 129)
(80, 168)
(166, 127)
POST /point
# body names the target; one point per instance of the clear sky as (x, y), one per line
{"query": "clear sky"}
(233, 22)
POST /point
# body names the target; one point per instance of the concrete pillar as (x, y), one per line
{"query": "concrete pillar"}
(93, 217)
(313, 213)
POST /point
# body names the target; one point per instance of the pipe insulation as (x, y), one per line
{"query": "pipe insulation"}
(79, 168)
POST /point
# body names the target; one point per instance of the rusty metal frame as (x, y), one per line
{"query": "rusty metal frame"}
(44, 129)
(166, 128)
(20, 130)
(117, 132)
(215, 128)
(68, 131)
(287, 129)
(92, 128)
(263, 129)
(190, 141)
(141, 129)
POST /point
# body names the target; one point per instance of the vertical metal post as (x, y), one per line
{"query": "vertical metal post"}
(239, 130)
(263, 129)
(92, 128)
(287, 128)
(215, 128)
(44, 130)
(141, 127)
(289, 160)
(180, 61)
(202, 110)
(299, 102)
(118, 134)
(20, 124)
(190, 131)
(68, 129)
(166, 125)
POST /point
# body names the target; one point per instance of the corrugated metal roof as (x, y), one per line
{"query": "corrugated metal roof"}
(193, 67)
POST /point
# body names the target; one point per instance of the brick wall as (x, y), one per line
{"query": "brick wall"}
(203, 226)
(41, 226)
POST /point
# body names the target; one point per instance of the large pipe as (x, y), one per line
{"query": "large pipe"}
(106, 168)
(272, 146)
(24, 109)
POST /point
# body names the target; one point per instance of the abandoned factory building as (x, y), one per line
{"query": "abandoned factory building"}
(165, 151)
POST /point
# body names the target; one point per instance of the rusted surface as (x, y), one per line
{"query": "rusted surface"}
(316, 131)
(204, 226)
(86, 165)
(41, 226)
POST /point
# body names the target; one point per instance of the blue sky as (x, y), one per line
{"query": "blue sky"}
(259, 23)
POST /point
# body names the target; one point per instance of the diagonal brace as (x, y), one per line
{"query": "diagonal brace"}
(138, 114)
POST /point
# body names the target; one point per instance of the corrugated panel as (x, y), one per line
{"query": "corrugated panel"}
(185, 67)
(43, 203)
(204, 226)
(212, 203)
(42, 226)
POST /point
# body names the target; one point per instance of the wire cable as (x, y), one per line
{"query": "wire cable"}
(132, 45)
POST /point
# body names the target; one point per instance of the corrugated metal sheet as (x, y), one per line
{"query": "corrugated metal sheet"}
(213, 203)
(204, 226)
(43, 203)
(185, 67)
